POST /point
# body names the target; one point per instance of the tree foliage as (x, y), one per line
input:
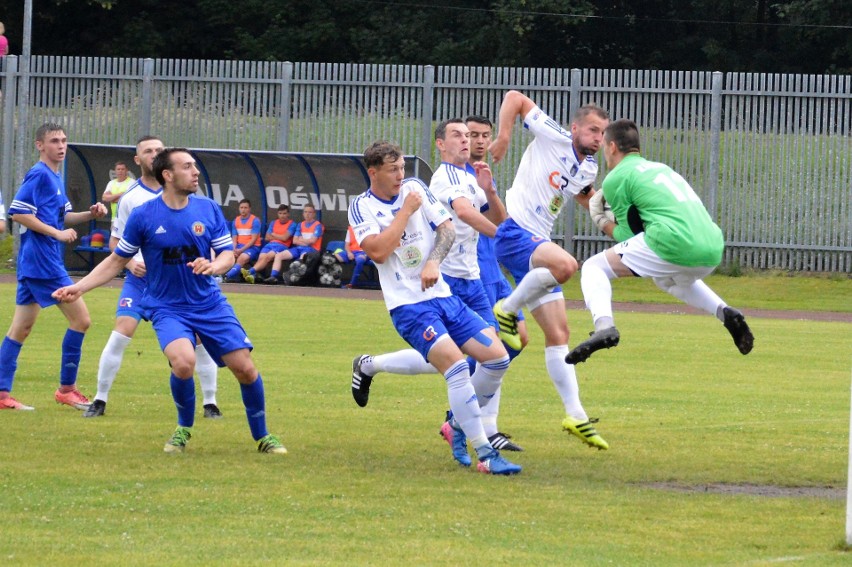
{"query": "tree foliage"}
(813, 36)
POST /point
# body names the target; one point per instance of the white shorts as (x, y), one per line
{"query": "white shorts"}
(644, 262)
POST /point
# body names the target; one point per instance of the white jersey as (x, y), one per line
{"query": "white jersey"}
(137, 194)
(399, 275)
(450, 182)
(548, 175)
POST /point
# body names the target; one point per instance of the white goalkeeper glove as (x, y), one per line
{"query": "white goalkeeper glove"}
(600, 210)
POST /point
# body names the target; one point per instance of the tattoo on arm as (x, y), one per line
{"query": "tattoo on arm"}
(444, 237)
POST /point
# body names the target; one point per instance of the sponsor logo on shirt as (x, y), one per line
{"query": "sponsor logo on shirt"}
(410, 256)
(197, 228)
(160, 230)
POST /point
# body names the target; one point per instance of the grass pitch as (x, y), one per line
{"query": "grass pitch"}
(715, 459)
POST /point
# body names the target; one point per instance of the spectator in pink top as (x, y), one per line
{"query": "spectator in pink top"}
(4, 43)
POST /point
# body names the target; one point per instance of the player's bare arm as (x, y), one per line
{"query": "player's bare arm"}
(380, 246)
(32, 223)
(445, 235)
(582, 198)
(514, 104)
(468, 214)
(204, 267)
(103, 272)
(496, 212)
(96, 211)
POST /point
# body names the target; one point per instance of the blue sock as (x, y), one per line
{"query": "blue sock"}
(359, 267)
(512, 352)
(274, 274)
(183, 393)
(255, 403)
(72, 348)
(233, 271)
(9, 351)
(252, 271)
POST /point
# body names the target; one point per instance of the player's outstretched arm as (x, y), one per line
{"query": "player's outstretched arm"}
(96, 211)
(514, 104)
(103, 272)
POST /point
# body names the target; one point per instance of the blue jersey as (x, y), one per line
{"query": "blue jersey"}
(169, 239)
(41, 194)
(489, 269)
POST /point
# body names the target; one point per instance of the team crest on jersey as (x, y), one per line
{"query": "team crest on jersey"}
(410, 256)
(197, 228)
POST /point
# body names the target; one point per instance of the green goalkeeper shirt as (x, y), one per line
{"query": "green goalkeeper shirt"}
(651, 197)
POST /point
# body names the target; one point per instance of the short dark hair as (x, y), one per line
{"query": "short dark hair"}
(283, 208)
(479, 120)
(590, 108)
(47, 127)
(441, 129)
(163, 161)
(146, 138)
(116, 164)
(625, 134)
(379, 153)
(246, 201)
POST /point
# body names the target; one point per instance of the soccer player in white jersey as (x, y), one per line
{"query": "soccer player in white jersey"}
(664, 233)
(129, 312)
(473, 211)
(176, 233)
(406, 231)
(557, 165)
(41, 207)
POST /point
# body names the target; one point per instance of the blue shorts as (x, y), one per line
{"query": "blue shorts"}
(515, 246)
(218, 328)
(130, 300)
(472, 293)
(299, 251)
(275, 247)
(421, 324)
(252, 252)
(499, 290)
(35, 290)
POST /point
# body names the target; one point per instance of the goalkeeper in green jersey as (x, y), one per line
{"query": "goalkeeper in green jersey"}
(663, 232)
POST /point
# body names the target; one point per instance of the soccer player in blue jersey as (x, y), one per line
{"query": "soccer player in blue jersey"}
(41, 207)
(176, 233)
(129, 311)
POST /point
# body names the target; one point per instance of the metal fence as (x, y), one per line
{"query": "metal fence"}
(771, 155)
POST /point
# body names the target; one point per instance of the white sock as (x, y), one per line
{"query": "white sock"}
(408, 362)
(597, 290)
(487, 377)
(463, 403)
(489, 414)
(110, 362)
(536, 284)
(207, 373)
(697, 294)
(565, 379)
